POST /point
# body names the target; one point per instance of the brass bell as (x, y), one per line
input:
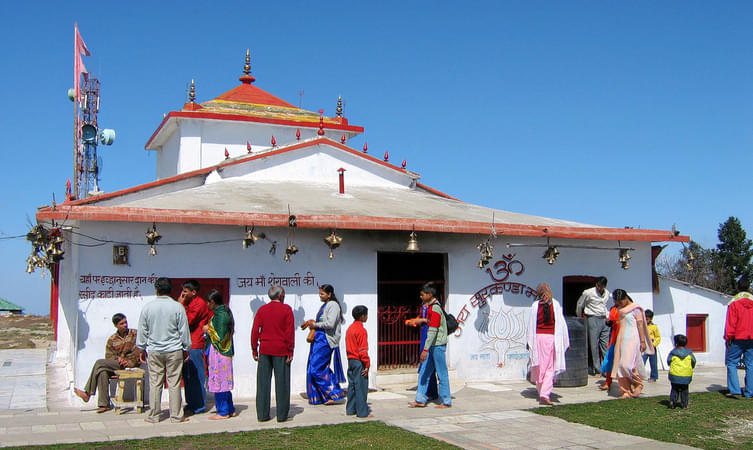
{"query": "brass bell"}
(333, 241)
(250, 238)
(412, 243)
(153, 250)
(289, 251)
(551, 254)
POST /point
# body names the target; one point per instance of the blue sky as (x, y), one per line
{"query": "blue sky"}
(612, 113)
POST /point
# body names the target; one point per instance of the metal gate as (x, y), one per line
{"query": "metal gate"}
(397, 343)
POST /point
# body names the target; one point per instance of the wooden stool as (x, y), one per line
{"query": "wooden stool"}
(130, 374)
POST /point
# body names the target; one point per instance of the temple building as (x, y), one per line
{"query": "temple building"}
(252, 191)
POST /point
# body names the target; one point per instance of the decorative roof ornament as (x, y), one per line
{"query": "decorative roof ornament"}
(339, 106)
(366, 147)
(247, 78)
(192, 92)
(386, 156)
(248, 147)
(321, 126)
(405, 163)
(342, 139)
(298, 134)
(274, 141)
(227, 153)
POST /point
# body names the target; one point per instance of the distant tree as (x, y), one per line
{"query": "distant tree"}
(734, 253)
(696, 265)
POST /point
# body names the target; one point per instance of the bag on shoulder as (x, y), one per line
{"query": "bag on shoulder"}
(451, 321)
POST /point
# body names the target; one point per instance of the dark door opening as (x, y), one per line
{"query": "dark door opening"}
(572, 287)
(399, 280)
(205, 285)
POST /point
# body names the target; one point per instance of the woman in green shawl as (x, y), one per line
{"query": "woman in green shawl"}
(220, 332)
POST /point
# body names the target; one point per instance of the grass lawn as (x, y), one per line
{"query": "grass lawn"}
(349, 435)
(711, 420)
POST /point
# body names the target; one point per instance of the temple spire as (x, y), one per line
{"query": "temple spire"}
(247, 78)
(339, 106)
(192, 92)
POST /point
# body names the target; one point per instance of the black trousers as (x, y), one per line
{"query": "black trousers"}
(678, 396)
(266, 365)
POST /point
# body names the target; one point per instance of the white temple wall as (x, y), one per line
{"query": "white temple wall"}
(491, 345)
(198, 143)
(320, 164)
(673, 304)
(167, 157)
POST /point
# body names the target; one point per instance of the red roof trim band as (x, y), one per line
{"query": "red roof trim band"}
(241, 118)
(126, 214)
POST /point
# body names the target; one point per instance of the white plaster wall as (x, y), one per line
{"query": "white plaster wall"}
(474, 355)
(198, 143)
(167, 157)
(672, 305)
(491, 345)
(190, 152)
(352, 272)
(320, 164)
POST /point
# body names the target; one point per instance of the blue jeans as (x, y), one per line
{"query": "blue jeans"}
(735, 349)
(194, 378)
(654, 369)
(435, 361)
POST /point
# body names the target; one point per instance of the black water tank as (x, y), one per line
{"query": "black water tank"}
(576, 357)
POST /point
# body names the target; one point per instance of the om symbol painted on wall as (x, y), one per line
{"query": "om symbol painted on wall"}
(505, 267)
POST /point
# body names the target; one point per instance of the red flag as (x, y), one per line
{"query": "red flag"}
(79, 49)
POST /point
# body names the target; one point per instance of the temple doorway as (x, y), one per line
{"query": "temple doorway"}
(399, 280)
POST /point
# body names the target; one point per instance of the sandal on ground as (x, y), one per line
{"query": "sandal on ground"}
(545, 401)
(417, 405)
(103, 409)
(730, 395)
(604, 387)
(219, 417)
(83, 395)
(443, 406)
(626, 395)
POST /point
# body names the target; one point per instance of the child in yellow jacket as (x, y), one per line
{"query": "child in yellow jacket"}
(653, 333)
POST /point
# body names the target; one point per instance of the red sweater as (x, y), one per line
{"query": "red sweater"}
(739, 323)
(543, 327)
(357, 343)
(198, 314)
(272, 331)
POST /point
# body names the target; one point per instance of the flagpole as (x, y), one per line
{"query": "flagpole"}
(75, 115)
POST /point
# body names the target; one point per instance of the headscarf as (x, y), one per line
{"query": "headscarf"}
(220, 331)
(544, 294)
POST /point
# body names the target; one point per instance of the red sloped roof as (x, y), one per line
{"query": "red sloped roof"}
(248, 93)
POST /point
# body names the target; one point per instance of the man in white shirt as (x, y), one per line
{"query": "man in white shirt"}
(164, 338)
(593, 305)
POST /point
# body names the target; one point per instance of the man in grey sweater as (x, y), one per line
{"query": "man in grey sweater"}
(164, 338)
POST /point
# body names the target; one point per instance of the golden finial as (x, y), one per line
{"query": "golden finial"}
(192, 92)
(339, 106)
(246, 78)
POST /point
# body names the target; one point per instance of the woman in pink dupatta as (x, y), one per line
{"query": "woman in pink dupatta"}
(632, 341)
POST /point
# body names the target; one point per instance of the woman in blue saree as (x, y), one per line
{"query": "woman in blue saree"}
(323, 383)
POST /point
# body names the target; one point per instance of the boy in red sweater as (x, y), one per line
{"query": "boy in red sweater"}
(357, 348)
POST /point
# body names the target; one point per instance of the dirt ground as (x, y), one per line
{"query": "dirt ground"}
(25, 331)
